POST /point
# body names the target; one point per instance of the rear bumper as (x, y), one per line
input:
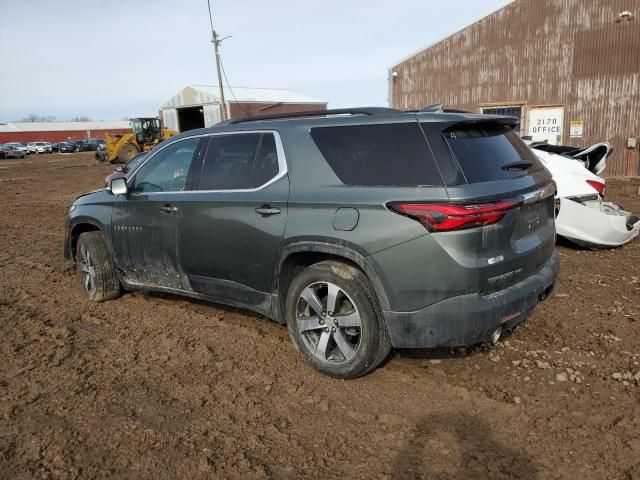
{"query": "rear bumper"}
(471, 319)
(595, 223)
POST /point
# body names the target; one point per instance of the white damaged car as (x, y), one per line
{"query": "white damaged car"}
(583, 216)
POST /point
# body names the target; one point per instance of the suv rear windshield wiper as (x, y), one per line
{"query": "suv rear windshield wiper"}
(523, 165)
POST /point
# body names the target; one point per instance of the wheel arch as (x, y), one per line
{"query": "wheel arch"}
(296, 256)
(78, 229)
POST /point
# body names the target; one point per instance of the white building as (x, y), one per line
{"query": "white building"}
(198, 106)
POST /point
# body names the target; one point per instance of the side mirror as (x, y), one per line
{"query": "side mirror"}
(118, 186)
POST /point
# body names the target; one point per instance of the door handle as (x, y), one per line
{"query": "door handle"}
(168, 209)
(266, 210)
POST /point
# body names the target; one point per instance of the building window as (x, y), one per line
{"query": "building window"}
(508, 111)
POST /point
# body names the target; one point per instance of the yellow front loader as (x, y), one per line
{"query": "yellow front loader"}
(146, 134)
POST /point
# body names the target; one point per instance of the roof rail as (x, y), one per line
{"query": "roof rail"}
(314, 113)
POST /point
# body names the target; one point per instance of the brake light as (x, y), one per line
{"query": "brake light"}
(599, 186)
(447, 217)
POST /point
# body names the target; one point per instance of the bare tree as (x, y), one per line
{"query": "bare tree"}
(34, 117)
(80, 118)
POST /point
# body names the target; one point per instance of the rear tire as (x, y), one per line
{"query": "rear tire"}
(346, 343)
(96, 270)
(127, 152)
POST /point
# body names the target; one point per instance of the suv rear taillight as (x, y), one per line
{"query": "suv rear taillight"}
(446, 217)
(599, 186)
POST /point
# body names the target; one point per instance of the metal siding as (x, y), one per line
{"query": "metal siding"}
(170, 118)
(211, 113)
(58, 135)
(540, 52)
(243, 109)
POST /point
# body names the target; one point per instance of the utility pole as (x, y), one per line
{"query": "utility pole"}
(223, 105)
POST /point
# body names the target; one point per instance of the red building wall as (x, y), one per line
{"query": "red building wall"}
(57, 136)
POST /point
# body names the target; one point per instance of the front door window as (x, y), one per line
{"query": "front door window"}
(167, 171)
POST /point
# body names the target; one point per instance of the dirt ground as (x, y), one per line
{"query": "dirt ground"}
(157, 386)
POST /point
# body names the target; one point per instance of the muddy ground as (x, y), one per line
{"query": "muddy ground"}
(157, 386)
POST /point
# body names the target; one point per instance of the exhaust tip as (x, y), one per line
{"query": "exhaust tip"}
(495, 335)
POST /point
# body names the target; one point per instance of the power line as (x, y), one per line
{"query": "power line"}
(231, 90)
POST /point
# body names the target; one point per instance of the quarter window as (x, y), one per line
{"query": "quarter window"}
(388, 154)
(239, 161)
(167, 171)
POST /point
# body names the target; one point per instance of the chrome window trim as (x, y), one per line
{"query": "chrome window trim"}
(282, 164)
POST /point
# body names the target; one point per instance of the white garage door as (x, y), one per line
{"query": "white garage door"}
(211, 114)
(546, 123)
(170, 118)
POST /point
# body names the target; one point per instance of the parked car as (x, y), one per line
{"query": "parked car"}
(583, 215)
(83, 145)
(593, 158)
(74, 144)
(9, 150)
(96, 144)
(22, 147)
(39, 147)
(79, 145)
(63, 147)
(378, 228)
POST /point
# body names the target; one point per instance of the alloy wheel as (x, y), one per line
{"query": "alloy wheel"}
(88, 271)
(328, 322)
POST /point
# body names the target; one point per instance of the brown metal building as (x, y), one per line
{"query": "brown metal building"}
(570, 69)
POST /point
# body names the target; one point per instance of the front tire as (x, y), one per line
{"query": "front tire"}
(127, 152)
(334, 320)
(96, 270)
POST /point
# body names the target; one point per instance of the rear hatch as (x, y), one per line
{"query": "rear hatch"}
(495, 181)
(485, 198)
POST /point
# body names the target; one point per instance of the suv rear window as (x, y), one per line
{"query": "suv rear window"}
(391, 154)
(483, 150)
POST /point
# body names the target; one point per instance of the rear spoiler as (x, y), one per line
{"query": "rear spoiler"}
(437, 108)
(487, 120)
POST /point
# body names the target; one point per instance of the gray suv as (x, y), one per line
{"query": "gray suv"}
(360, 229)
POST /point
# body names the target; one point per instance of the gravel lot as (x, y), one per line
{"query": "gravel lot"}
(157, 386)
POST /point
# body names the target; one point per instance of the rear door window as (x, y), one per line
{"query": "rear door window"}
(239, 161)
(390, 154)
(490, 152)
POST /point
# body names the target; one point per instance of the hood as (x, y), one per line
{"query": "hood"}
(570, 175)
(95, 196)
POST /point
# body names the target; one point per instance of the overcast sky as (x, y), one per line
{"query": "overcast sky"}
(109, 59)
